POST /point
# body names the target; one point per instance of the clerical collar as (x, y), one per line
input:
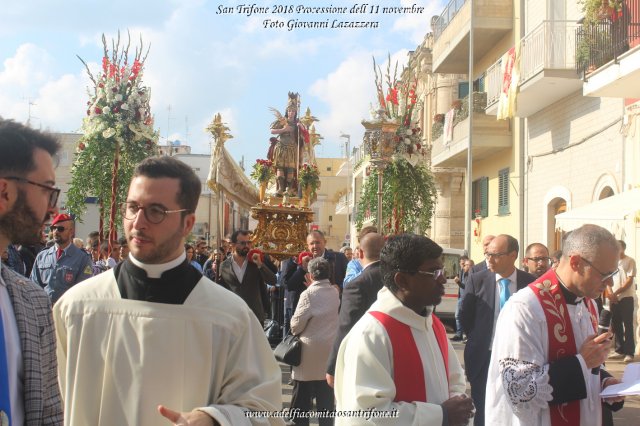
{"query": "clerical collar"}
(569, 297)
(155, 271)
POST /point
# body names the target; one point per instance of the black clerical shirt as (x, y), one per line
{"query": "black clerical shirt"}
(173, 287)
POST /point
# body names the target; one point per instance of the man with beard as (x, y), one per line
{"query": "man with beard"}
(245, 277)
(536, 259)
(29, 393)
(62, 265)
(154, 331)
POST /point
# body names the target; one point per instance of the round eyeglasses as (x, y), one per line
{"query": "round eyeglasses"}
(154, 213)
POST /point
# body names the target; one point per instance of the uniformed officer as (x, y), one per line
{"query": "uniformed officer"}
(62, 265)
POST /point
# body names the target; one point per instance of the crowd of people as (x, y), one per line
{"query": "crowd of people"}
(147, 327)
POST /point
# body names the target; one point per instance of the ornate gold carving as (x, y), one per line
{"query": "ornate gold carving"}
(281, 231)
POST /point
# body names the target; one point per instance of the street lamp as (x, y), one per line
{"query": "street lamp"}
(378, 142)
(347, 149)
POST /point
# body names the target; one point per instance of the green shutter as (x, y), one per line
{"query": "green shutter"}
(503, 191)
(484, 196)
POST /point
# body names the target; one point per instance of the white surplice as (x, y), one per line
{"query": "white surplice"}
(364, 369)
(118, 359)
(518, 388)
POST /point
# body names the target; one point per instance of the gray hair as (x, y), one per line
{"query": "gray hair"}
(319, 268)
(586, 240)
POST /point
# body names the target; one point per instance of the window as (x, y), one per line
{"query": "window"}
(503, 191)
(330, 218)
(480, 197)
(328, 168)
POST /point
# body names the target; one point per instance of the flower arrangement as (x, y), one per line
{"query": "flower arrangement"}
(117, 133)
(262, 171)
(309, 176)
(398, 103)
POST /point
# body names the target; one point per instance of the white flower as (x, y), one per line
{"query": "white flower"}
(407, 141)
(408, 132)
(124, 107)
(118, 97)
(106, 110)
(108, 133)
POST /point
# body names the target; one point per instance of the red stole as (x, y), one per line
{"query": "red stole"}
(562, 341)
(408, 374)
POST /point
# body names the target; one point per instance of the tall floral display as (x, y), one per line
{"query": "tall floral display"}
(117, 134)
(400, 191)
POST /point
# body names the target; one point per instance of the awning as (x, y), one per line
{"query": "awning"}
(612, 213)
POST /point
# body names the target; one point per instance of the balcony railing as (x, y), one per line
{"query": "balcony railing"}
(601, 42)
(461, 114)
(446, 17)
(548, 46)
(494, 83)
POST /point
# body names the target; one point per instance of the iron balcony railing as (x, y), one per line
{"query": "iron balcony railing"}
(614, 33)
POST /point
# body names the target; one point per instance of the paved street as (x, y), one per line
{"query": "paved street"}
(628, 416)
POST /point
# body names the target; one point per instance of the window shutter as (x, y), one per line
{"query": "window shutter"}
(503, 191)
(484, 196)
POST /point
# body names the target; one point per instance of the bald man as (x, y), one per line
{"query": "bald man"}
(485, 245)
(359, 294)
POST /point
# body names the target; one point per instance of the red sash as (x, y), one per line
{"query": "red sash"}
(562, 341)
(408, 374)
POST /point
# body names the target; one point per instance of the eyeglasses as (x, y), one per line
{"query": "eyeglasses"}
(605, 276)
(154, 213)
(435, 274)
(490, 255)
(54, 192)
(542, 259)
(57, 228)
(243, 243)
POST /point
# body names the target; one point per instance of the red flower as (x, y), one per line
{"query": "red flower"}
(418, 146)
(98, 110)
(392, 96)
(253, 252)
(135, 69)
(81, 146)
(105, 64)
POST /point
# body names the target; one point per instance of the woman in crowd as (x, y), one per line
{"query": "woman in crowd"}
(315, 322)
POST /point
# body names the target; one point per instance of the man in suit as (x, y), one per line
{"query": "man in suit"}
(246, 278)
(29, 393)
(485, 294)
(482, 266)
(316, 244)
(358, 295)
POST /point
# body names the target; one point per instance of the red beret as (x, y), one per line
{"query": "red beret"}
(63, 217)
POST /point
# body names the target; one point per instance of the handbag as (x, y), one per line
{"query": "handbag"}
(289, 351)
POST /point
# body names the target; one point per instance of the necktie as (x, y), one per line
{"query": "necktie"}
(59, 253)
(504, 290)
(5, 398)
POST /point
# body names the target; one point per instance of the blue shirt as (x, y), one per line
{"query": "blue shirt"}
(57, 276)
(354, 268)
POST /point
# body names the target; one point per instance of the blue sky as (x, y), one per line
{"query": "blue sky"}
(202, 63)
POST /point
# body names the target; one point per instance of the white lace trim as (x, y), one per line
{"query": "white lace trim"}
(526, 385)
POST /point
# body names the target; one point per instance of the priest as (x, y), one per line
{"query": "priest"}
(546, 356)
(153, 338)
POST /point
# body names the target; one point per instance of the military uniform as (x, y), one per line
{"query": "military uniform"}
(58, 275)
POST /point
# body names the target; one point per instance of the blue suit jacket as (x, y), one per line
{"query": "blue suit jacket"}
(476, 315)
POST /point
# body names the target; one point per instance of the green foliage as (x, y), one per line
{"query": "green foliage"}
(408, 198)
(118, 126)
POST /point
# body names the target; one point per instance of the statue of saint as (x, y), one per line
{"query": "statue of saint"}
(286, 147)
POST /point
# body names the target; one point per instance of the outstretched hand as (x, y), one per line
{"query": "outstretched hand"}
(193, 418)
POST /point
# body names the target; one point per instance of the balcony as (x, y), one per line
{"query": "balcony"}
(344, 204)
(489, 136)
(493, 81)
(547, 66)
(492, 20)
(609, 54)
